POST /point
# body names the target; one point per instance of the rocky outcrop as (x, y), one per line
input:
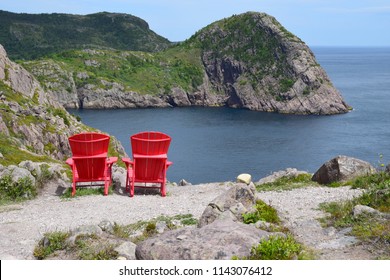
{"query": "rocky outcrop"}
(342, 168)
(36, 121)
(220, 234)
(31, 118)
(247, 61)
(29, 178)
(115, 96)
(232, 204)
(261, 66)
(220, 240)
(287, 173)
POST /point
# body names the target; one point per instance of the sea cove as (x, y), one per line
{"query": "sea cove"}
(217, 144)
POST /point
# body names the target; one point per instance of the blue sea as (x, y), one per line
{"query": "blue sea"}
(217, 144)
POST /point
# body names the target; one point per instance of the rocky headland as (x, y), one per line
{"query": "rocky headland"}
(246, 61)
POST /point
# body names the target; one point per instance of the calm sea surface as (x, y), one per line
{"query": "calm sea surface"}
(217, 144)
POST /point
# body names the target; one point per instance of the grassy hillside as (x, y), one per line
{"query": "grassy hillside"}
(181, 65)
(29, 36)
(141, 72)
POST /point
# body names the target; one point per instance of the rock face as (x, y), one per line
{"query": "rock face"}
(31, 118)
(220, 240)
(38, 121)
(220, 234)
(342, 168)
(261, 66)
(232, 204)
(246, 61)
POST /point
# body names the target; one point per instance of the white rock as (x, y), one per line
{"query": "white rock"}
(244, 178)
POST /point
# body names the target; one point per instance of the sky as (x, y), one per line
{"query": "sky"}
(316, 22)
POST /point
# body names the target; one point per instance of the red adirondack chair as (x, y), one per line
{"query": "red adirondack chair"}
(150, 161)
(89, 160)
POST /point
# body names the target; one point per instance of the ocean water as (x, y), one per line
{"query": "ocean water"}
(217, 144)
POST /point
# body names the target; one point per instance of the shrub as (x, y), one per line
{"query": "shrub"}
(277, 248)
(50, 243)
(19, 190)
(372, 230)
(263, 212)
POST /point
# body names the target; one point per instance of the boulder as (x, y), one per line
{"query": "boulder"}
(234, 202)
(18, 173)
(84, 230)
(342, 168)
(244, 178)
(363, 209)
(289, 172)
(220, 240)
(119, 177)
(126, 251)
(184, 183)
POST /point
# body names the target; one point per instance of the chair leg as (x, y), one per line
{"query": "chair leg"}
(163, 191)
(132, 186)
(73, 188)
(131, 189)
(127, 182)
(106, 186)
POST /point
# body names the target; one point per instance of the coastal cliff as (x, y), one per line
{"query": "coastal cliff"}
(246, 61)
(33, 125)
(261, 66)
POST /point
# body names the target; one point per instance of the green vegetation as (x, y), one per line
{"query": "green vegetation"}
(12, 155)
(278, 248)
(240, 38)
(288, 183)
(85, 247)
(29, 36)
(263, 212)
(24, 188)
(148, 228)
(373, 230)
(144, 73)
(62, 114)
(51, 242)
(102, 247)
(84, 191)
(90, 247)
(20, 190)
(286, 84)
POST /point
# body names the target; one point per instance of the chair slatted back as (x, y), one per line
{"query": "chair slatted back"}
(150, 143)
(89, 144)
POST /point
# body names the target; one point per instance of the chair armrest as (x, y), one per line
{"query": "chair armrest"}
(169, 163)
(128, 162)
(112, 160)
(69, 162)
(160, 156)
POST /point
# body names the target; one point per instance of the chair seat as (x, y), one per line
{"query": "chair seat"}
(93, 169)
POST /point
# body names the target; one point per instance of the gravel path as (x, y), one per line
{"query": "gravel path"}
(299, 210)
(22, 225)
